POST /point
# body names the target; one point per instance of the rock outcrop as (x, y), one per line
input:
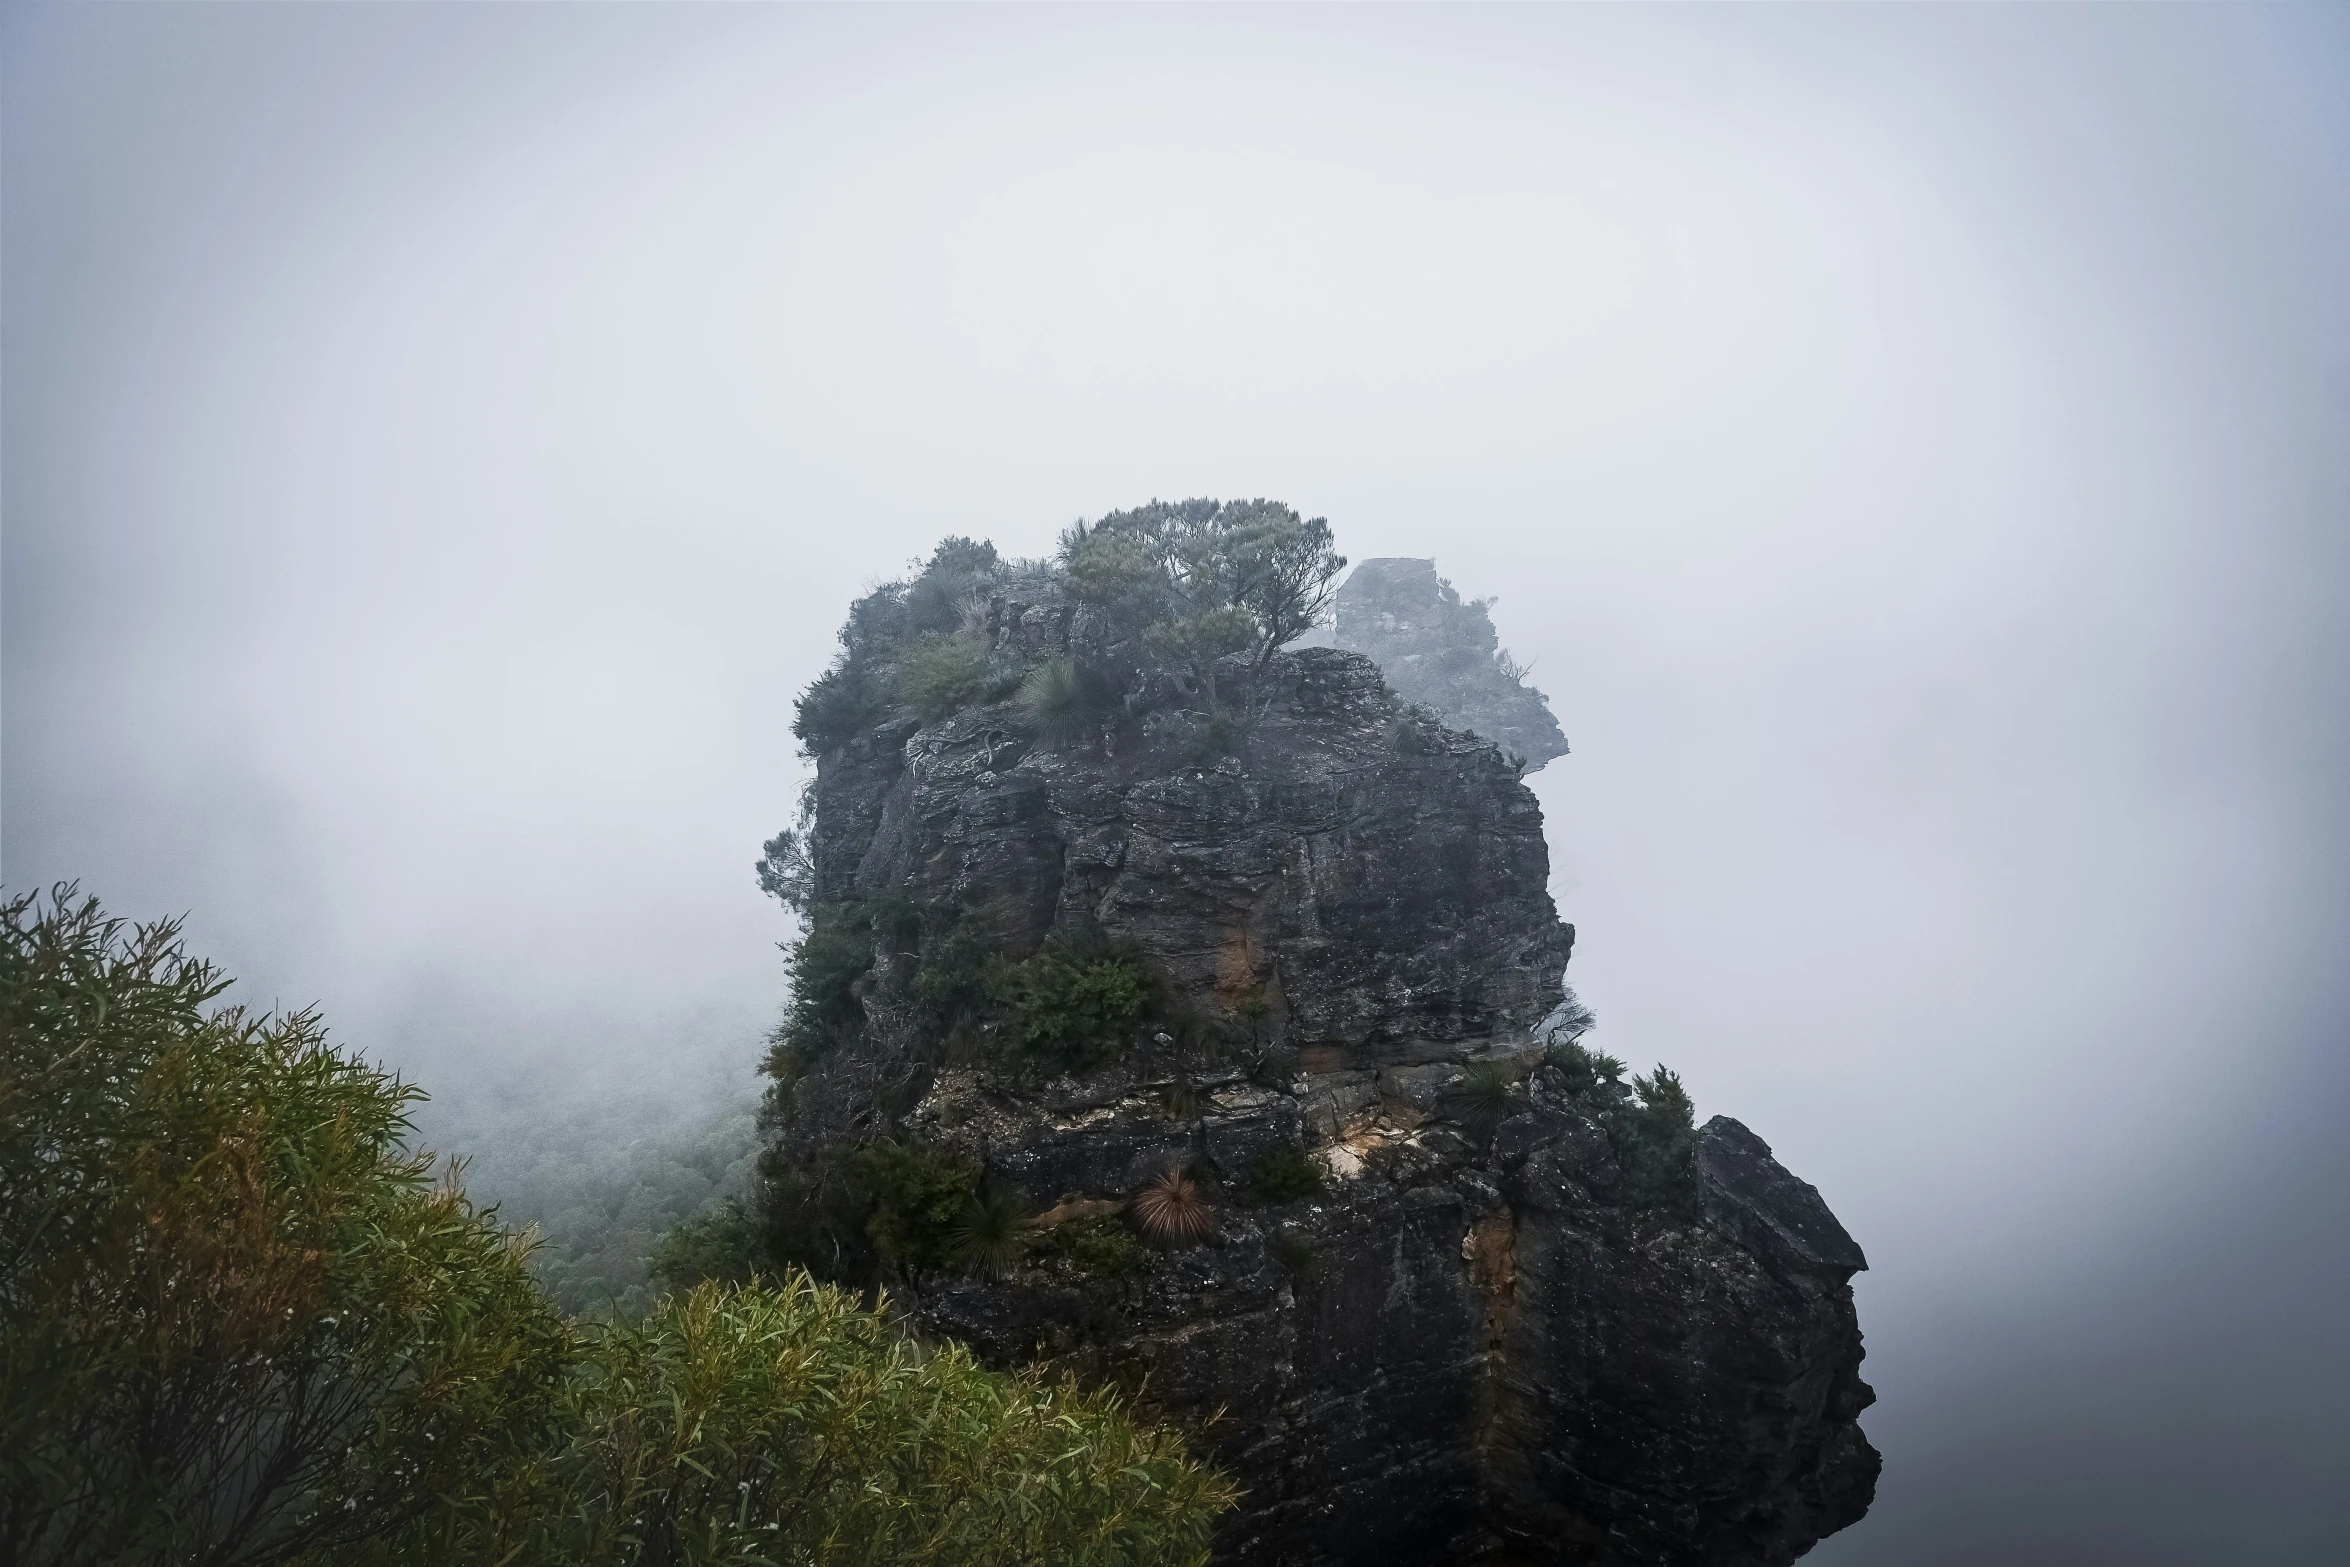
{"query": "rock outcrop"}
(1454, 1306)
(1437, 648)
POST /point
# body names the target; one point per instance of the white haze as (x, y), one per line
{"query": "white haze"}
(1910, 444)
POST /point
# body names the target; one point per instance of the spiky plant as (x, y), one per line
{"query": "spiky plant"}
(1483, 1098)
(987, 1239)
(1172, 1211)
(1065, 702)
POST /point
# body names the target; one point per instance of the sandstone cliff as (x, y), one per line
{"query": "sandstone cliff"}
(1272, 945)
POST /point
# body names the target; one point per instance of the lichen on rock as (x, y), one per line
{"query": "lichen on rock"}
(1102, 910)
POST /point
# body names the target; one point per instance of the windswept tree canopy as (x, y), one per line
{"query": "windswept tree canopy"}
(1204, 580)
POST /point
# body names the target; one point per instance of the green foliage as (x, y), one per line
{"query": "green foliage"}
(1657, 1145)
(238, 1321)
(600, 1183)
(1100, 1247)
(1285, 1173)
(1283, 569)
(840, 704)
(908, 643)
(992, 1233)
(1065, 701)
(786, 866)
(1200, 640)
(952, 985)
(937, 599)
(1483, 1098)
(722, 1243)
(1650, 1124)
(824, 965)
(1071, 1010)
(763, 1424)
(1587, 1072)
(240, 1325)
(1185, 586)
(1193, 591)
(941, 674)
(913, 1202)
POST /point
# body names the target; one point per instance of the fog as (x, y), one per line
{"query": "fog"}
(1912, 447)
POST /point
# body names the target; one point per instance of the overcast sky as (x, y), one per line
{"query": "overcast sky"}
(1912, 446)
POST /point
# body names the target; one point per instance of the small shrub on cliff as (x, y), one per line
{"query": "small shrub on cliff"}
(1070, 1010)
(952, 979)
(1569, 1021)
(1657, 1144)
(1650, 1124)
(1416, 730)
(839, 705)
(1105, 1249)
(1285, 1173)
(1198, 739)
(824, 965)
(938, 599)
(943, 674)
(862, 1209)
(1587, 1072)
(914, 1201)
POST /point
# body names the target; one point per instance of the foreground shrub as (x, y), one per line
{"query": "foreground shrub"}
(240, 1325)
(238, 1322)
(783, 1423)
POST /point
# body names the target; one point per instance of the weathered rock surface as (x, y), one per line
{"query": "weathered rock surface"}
(1471, 1344)
(1435, 647)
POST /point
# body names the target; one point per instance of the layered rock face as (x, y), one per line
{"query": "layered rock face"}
(1483, 1338)
(1435, 647)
